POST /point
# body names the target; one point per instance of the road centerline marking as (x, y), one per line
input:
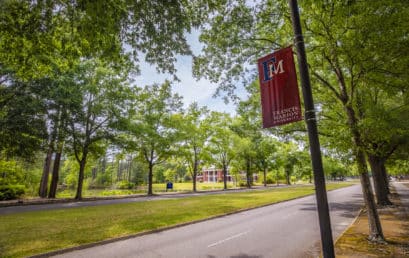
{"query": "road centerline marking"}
(229, 238)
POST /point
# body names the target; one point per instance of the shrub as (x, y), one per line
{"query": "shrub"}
(124, 185)
(270, 180)
(243, 184)
(10, 192)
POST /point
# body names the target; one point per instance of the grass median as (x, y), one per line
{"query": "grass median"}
(31, 233)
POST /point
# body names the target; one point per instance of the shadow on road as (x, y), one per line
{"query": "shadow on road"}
(347, 209)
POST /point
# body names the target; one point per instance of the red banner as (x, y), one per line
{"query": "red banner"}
(280, 99)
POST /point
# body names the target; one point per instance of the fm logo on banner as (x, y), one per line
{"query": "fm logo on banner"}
(280, 99)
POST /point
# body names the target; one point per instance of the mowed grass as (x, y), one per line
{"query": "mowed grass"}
(157, 188)
(31, 233)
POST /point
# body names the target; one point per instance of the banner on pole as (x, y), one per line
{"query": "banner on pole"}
(280, 99)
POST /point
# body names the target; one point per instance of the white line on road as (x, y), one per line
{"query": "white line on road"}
(227, 239)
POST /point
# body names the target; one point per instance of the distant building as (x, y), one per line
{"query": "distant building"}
(214, 175)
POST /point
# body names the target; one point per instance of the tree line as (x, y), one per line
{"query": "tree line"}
(147, 131)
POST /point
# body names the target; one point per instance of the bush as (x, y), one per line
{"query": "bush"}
(243, 184)
(270, 180)
(124, 185)
(10, 192)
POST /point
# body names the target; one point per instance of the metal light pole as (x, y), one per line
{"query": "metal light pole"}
(310, 120)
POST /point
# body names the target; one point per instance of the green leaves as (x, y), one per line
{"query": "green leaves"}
(151, 125)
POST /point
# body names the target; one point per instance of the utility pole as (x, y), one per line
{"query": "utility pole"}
(310, 120)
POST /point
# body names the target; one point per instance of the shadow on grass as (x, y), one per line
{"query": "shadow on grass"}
(400, 247)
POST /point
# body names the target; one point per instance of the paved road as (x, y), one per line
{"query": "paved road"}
(288, 229)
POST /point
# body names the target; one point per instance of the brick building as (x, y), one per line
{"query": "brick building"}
(214, 175)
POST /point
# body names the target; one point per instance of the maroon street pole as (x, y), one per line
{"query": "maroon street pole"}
(310, 120)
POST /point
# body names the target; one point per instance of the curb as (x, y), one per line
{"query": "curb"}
(349, 226)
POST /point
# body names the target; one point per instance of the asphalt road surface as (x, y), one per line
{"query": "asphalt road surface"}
(288, 229)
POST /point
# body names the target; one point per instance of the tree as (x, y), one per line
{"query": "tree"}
(222, 142)
(266, 147)
(151, 125)
(288, 159)
(194, 132)
(244, 157)
(38, 36)
(22, 120)
(247, 127)
(57, 97)
(101, 96)
(385, 132)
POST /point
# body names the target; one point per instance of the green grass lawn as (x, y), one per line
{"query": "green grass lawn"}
(31, 233)
(157, 188)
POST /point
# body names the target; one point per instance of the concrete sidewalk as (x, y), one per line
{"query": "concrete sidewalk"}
(395, 227)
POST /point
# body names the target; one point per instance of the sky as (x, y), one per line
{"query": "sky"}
(191, 89)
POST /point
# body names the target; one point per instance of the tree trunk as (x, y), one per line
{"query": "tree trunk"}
(42, 192)
(385, 177)
(150, 178)
(94, 173)
(103, 165)
(81, 174)
(248, 173)
(194, 181)
(375, 228)
(195, 167)
(287, 176)
(55, 175)
(118, 174)
(265, 176)
(381, 188)
(130, 169)
(225, 176)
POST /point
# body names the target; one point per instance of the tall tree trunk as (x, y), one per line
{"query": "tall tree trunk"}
(381, 188)
(83, 162)
(112, 172)
(385, 177)
(130, 169)
(42, 192)
(94, 172)
(287, 176)
(58, 138)
(118, 174)
(103, 165)
(224, 177)
(55, 174)
(194, 181)
(195, 168)
(150, 178)
(375, 228)
(248, 173)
